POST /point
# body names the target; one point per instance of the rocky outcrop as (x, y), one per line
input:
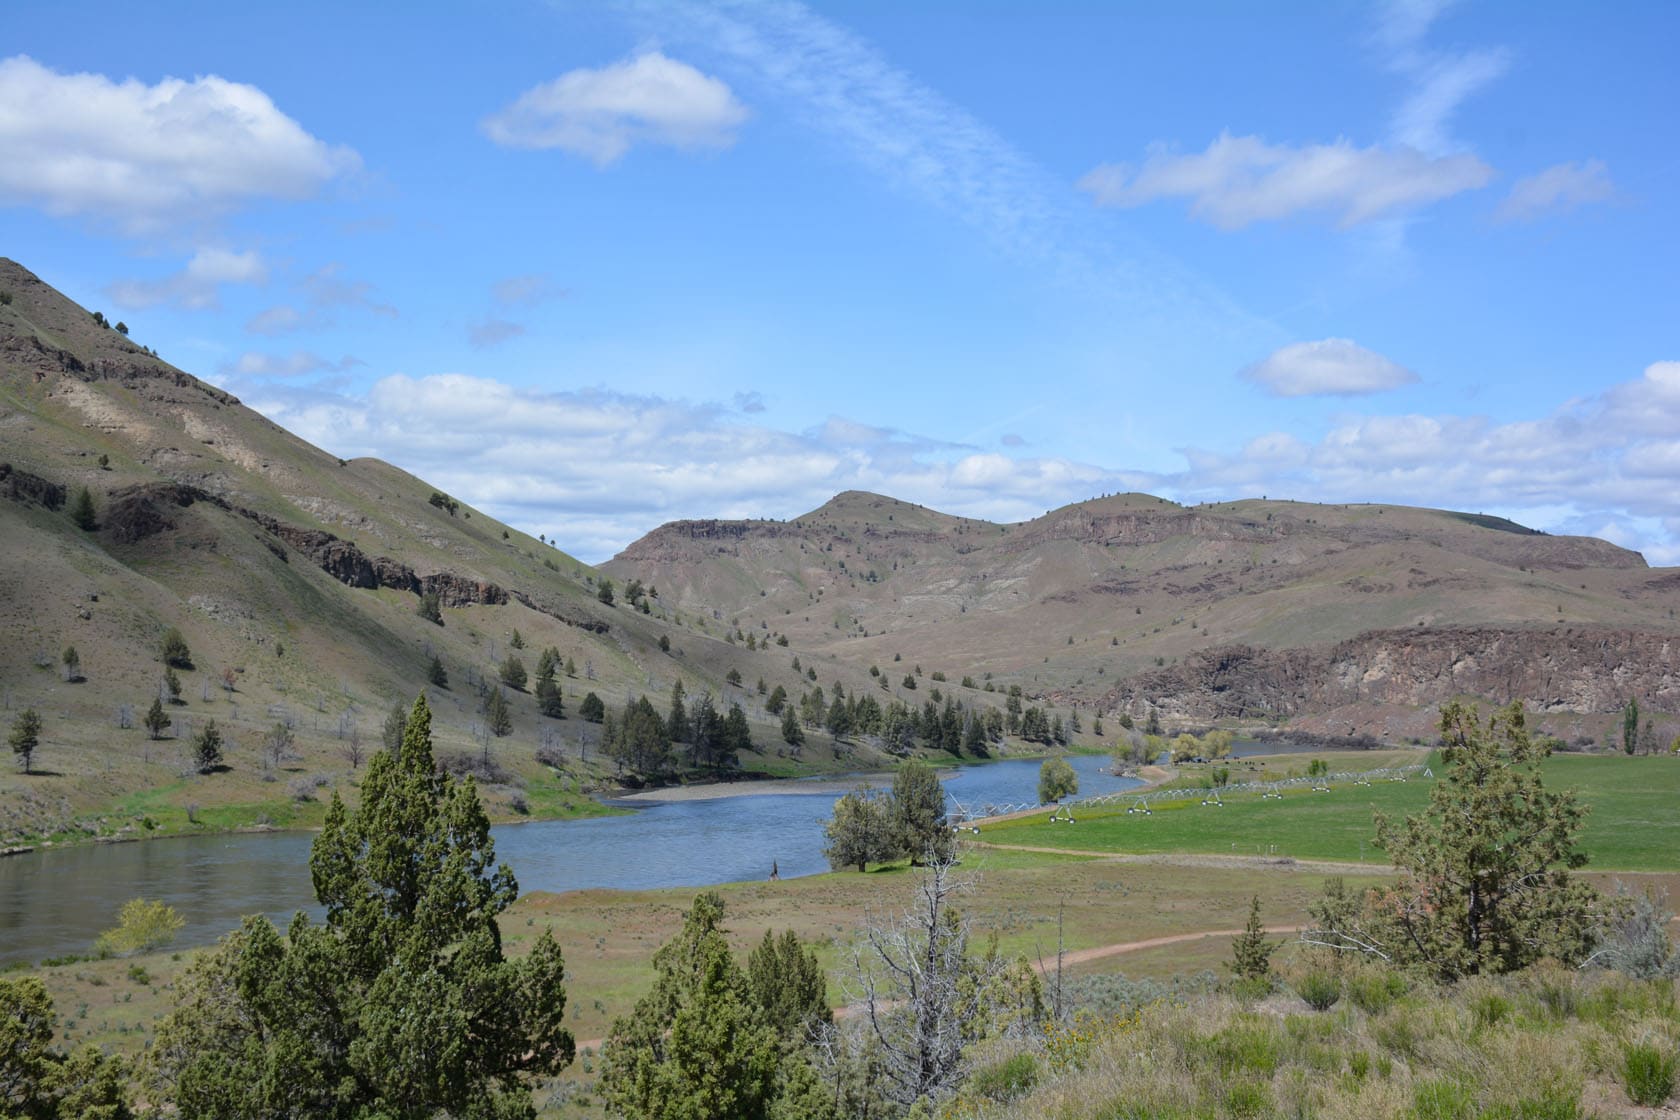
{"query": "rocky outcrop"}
(21, 486)
(142, 511)
(1578, 670)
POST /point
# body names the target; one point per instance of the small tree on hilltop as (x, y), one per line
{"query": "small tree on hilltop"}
(25, 738)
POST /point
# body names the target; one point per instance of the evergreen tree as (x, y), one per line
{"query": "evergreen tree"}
(391, 733)
(38, 1082)
(605, 592)
(401, 1004)
(25, 738)
(517, 641)
(788, 985)
(436, 674)
(1251, 953)
(918, 813)
(860, 832)
(1630, 726)
(737, 735)
(430, 607)
(792, 734)
(676, 724)
(175, 652)
(777, 700)
(81, 511)
(697, 1045)
(72, 665)
(497, 714)
(172, 685)
(207, 747)
(1485, 883)
(549, 702)
(591, 708)
(513, 673)
(156, 721)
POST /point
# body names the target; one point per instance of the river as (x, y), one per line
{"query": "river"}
(55, 901)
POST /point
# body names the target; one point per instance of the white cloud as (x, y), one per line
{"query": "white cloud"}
(197, 286)
(1556, 190)
(601, 114)
(147, 156)
(299, 363)
(1331, 367)
(597, 469)
(1607, 459)
(1240, 180)
(281, 319)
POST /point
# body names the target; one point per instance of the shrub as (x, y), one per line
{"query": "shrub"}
(1443, 1099)
(1007, 1079)
(1648, 1073)
(141, 926)
(1319, 988)
(1374, 990)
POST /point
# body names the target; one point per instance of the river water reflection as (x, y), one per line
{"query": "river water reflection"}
(56, 901)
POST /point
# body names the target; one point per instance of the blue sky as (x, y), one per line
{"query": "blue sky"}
(593, 267)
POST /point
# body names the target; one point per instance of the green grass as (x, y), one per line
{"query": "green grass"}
(1631, 824)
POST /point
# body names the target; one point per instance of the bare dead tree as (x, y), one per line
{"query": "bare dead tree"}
(918, 991)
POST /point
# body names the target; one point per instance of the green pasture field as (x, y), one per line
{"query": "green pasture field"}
(1633, 822)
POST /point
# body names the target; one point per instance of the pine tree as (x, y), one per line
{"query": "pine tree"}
(207, 747)
(677, 724)
(25, 738)
(1251, 953)
(591, 708)
(1630, 726)
(400, 1005)
(697, 1044)
(788, 985)
(513, 673)
(792, 734)
(497, 714)
(72, 665)
(156, 721)
(82, 512)
(176, 655)
(436, 674)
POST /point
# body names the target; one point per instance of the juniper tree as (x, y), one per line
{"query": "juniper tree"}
(25, 738)
(1251, 953)
(156, 720)
(401, 1004)
(917, 811)
(207, 747)
(176, 655)
(82, 511)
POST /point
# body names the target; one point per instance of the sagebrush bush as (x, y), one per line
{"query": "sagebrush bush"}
(1320, 988)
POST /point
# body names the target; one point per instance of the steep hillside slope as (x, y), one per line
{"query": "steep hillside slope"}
(296, 579)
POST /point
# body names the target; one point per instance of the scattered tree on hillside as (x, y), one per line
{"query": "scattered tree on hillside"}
(792, 734)
(72, 665)
(436, 674)
(497, 714)
(25, 738)
(517, 641)
(513, 673)
(82, 513)
(591, 708)
(1485, 883)
(277, 744)
(1056, 780)
(207, 747)
(391, 732)
(605, 591)
(401, 1004)
(549, 701)
(430, 608)
(777, 700)
(176, 655)
(156, 721)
